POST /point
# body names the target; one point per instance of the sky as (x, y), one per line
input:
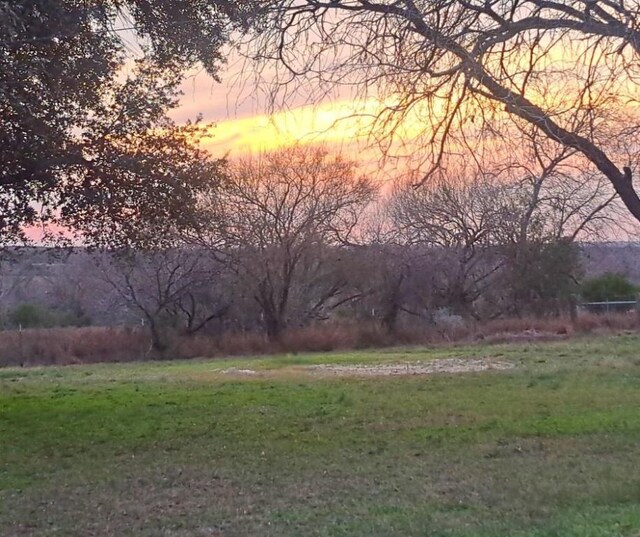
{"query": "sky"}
(241, 122)
(236, 109)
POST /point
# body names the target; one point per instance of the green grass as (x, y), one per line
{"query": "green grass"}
(548, 448)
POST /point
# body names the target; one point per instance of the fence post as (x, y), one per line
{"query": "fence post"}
(573, 308)
(21, 344)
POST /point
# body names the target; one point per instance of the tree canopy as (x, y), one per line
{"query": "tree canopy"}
(279, 218)
(471, 70)
(85, 140)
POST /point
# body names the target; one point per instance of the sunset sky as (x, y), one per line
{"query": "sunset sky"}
(241, 122)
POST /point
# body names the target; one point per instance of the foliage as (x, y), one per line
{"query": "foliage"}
(85, 140)
(542, 275)
(36, 316)
(609, 287)
(29, 316)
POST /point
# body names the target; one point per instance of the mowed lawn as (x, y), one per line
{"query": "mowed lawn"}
(550, 447)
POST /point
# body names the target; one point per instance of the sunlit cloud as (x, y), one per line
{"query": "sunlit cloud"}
(327, 123)
(343, 127)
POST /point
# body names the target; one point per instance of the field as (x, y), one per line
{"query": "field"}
(549, 446)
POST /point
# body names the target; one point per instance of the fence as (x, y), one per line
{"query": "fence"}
(612, 306)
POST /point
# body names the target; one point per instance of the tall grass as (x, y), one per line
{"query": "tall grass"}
(64, 346)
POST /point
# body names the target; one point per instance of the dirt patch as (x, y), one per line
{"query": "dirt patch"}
(240, 372)
(525, 336)
(432, 367)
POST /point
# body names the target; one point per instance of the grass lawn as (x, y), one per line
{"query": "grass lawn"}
(550, 447)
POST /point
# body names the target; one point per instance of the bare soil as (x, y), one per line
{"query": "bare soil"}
(444, 365)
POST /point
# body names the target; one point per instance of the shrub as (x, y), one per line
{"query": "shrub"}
(62, 346)
(608, 287)
(30, 316)
(35, 316)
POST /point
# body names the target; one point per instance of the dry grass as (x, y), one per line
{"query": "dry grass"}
(114, 344)
(65, 346)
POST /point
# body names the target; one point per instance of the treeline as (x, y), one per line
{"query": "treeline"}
(298, 237)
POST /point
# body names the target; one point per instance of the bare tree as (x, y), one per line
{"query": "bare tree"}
(166, 287)
(14, 276)
(74, 288)
(276, 221)
(469, 70)
(456, 220)
(551, 191)
(383, 265)
(506, 236)
(550, 200)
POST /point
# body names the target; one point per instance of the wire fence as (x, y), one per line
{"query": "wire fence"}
(611, 306)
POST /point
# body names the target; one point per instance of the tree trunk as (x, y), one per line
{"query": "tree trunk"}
(390, 318)
(274, 327)
(157, 341)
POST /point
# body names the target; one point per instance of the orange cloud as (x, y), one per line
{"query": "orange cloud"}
(343, 126)
(328, 123)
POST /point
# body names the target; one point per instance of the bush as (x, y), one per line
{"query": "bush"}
(35, 316)
(30, 316)
(609, 287)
